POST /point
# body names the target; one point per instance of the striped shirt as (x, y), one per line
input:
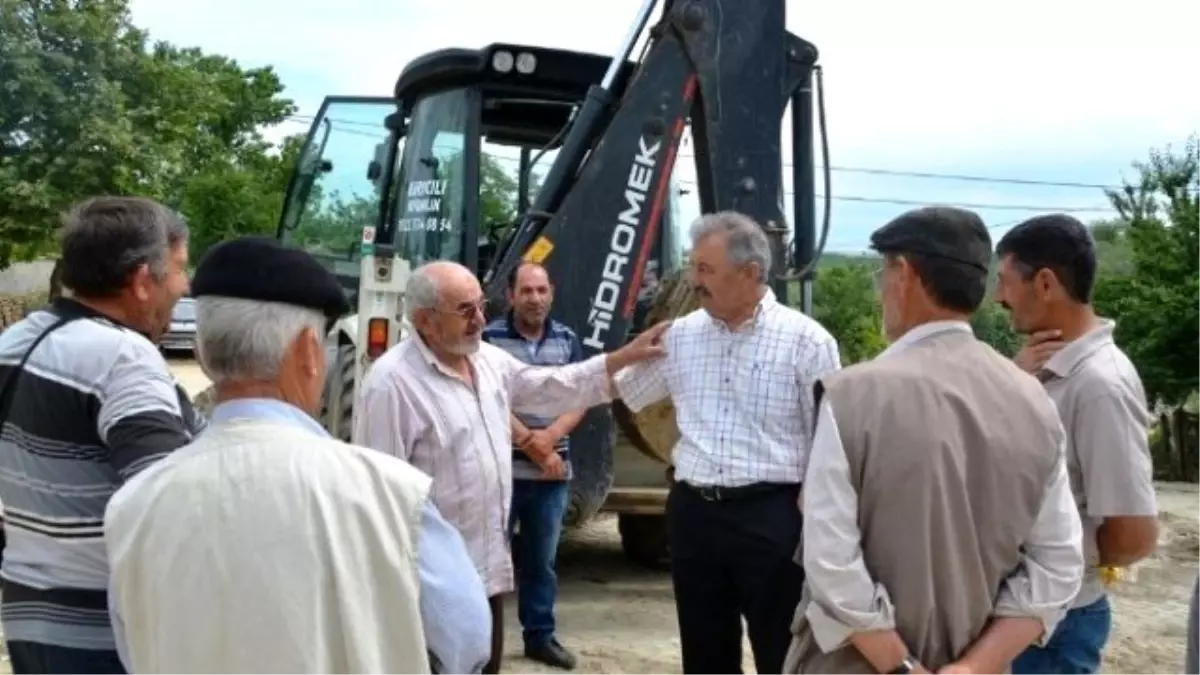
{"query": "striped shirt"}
(558, 346)
(94, 404)
(743, 398)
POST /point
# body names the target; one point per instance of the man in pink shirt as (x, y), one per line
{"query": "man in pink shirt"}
(442, 399)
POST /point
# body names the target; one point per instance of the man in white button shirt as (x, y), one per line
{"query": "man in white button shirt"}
(740, 372)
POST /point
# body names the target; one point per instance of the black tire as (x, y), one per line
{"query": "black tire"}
(340, 392)
(644, 540)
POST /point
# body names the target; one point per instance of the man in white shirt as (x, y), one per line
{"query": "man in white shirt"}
(266, 545)
(740, 373)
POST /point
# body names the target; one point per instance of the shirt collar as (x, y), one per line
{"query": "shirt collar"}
(431, 359)
(267, 409)
(72, 308)
(765, 304)
(1069, 358)
(926, 330)
(510, 328)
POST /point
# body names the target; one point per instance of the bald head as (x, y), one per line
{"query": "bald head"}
(444, 302)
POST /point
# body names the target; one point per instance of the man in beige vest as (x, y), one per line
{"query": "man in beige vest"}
(939, 532)
(267, 546)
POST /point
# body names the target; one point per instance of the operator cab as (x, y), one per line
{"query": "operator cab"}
(492, 118)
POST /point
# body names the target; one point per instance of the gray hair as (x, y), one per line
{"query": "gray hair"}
(106, 239)
(240, 339)
(421, 292)
(745, 241)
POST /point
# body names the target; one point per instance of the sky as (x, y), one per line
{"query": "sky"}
(1061, 91)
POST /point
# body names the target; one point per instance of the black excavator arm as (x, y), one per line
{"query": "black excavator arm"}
(729, 67)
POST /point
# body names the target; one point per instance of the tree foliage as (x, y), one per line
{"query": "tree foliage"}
(1156, 299)
(91, 107)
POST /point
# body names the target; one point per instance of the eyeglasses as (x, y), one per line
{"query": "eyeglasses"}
(467, 310)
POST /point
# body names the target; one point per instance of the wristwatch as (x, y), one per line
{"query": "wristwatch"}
(906, 666)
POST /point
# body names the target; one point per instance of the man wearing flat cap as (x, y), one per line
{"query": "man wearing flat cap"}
(266, 545)
(940, 531)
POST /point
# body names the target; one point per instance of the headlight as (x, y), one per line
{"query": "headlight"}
(526, 63)
(502, 61)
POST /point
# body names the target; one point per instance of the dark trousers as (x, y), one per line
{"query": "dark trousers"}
(35, 657)
(497, 604)
(539, 506)
(729, 559)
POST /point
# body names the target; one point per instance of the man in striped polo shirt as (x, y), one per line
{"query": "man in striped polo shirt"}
(86, 401)
(541, 464)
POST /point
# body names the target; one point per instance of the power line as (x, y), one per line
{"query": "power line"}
(842, 198)
(927, 175)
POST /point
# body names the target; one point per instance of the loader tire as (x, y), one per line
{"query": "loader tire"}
(340, 393)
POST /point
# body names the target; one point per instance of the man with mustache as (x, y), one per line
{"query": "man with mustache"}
(1047, 269)
(541, 465)
(442, 400)
(740, 372)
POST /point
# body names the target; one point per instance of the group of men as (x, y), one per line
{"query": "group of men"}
(938, 508)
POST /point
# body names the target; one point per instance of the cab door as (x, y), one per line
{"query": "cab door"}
(335, 189)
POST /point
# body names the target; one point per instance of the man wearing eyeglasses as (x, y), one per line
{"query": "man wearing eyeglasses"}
(442, 399)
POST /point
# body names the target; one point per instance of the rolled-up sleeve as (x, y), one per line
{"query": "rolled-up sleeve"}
(454, 604)
(1051, 569)
(845, 599)
(550, 391)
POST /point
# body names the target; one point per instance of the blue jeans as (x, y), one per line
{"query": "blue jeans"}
(35, 657)
(1076, 646)
(539, 507)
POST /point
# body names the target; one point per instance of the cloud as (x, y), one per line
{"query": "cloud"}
(1060, 90)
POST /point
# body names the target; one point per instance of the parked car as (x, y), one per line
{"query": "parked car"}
(181, 336)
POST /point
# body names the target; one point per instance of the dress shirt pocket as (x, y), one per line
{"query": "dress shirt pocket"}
(772, 392)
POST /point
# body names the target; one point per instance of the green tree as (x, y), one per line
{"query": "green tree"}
(240, 197)
(90, 107)
(991, 325)
(1157, 303)
(845, 302)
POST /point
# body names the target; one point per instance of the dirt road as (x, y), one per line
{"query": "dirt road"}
(620, 618)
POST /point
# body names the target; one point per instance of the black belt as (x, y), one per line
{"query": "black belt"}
(720, 493)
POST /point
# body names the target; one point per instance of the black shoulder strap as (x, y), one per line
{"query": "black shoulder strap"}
(9, 389)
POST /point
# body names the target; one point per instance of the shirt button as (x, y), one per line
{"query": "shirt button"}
(727, 380)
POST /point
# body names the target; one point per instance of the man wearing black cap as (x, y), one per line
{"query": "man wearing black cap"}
(936, 479)
(266, 545)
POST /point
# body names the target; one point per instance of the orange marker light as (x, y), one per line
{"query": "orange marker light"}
(377, 336)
